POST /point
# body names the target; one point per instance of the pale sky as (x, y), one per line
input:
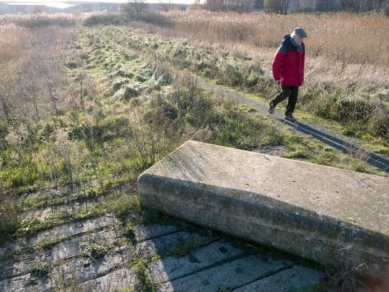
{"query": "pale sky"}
(66, 3)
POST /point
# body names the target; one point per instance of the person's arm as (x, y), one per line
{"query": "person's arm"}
(277, 65)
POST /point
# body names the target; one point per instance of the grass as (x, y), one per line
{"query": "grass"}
(84, 129)
(9, 215)
(40, 270)
(64, 125)
(342, 78)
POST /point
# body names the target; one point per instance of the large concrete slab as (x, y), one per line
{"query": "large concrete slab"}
(328, 215)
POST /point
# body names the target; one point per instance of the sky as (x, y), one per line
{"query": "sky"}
(66, 3)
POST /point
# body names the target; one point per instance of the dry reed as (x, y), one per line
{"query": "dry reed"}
(12, 41)
(348, 38)
(341, 48)
(347, 55)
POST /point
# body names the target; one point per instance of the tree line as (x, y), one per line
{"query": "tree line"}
(290, 6)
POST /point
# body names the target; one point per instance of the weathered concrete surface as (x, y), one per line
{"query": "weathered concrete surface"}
(298, 277)
(227, 276)
(172, 268)
(170, 244)
(182, 261)
(331, 216)
(115, 281)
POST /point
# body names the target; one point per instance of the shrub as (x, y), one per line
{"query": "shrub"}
(41, 20)
(133, 10)
(102, 19)
(157, 19)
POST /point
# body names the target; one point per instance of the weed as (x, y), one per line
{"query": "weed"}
(93, 250)
(123, 205)
(40, 270)
(9, 214)
(345, 279)
(145, 284)
(66, 281)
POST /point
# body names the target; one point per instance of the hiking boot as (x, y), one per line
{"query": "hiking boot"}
(290, 118)
(271, 108)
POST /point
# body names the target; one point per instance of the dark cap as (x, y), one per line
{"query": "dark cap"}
(300, 32)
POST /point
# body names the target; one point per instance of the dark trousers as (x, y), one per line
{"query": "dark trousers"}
(290, 92)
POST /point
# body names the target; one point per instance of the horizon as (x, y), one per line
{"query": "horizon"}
(68, 3)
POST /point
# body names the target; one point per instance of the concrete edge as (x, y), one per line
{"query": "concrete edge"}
(271, 223)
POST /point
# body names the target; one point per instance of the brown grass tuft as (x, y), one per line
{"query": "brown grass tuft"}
(12, 41)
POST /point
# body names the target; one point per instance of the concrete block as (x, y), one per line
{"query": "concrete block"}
(332, 216)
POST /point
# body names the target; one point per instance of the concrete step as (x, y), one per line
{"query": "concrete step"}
(172, 268)
(297, 278)
(172, 243)
(227, 276)
(214, 266)
(332, 216)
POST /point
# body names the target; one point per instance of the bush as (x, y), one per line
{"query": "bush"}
(42, 20)
(102, 19)
(133, 10)
(155, 19)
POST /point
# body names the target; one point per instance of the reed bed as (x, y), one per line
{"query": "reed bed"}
(348, 38)
(13, 38)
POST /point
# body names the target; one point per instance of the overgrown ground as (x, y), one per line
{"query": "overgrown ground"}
(85, 109)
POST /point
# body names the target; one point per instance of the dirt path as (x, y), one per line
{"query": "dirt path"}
(325, 135)
(178, 55)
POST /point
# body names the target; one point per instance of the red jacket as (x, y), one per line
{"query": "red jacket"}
(288, 63)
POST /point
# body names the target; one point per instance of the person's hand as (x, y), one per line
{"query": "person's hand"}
(277, 82)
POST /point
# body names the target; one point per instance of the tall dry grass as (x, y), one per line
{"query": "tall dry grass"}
(347, 64)
(348, 38)
(12, 41)
(32, 74)
(343, 49)
(33, 21)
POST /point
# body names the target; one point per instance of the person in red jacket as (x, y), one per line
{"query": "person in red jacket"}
(288, 71)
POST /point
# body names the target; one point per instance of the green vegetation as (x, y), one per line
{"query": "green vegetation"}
(84, 109)
(40, 269)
